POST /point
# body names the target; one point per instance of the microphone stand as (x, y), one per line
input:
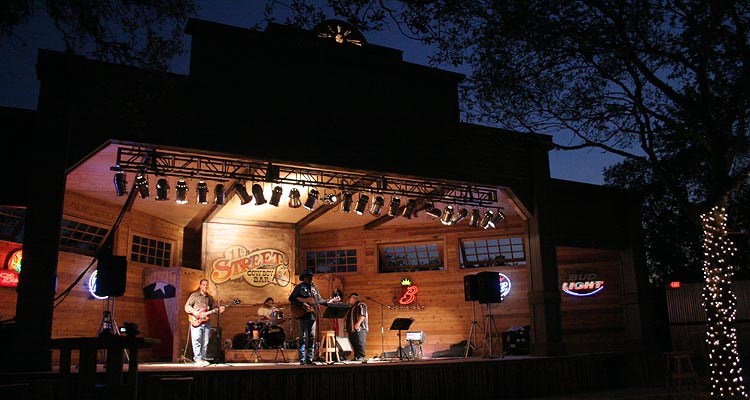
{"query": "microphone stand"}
(382, 327)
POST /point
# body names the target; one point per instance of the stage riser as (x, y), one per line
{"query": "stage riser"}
(234, 356)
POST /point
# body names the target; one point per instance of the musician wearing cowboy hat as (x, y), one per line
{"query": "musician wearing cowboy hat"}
(304, 296)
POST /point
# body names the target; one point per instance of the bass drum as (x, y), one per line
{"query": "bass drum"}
(273, 337)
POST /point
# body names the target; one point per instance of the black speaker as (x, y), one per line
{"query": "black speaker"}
(470, 288)
(488, 287)
(110, 277)
(214, 350)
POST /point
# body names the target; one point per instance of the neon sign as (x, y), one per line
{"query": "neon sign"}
(583, 283)
(92, 286)
(504, 283)
(9, 275)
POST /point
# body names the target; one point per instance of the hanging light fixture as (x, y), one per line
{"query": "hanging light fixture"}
(433, 212)
(393, 206)
(241, 191)
(219, 194)
(202, 192)
(162, 189)
(484, 223)
(121, 184)
(498, 218)
(141, 184)
(258, 194)
(346, 202)
(330, 198)
(294, 201)
(377, 205)
(312, 198)
(409, 209)
(447, 217)
(459, 216)
(474, 218)
(181, 190)
(276, 196)
(427, 206)
(362, 204)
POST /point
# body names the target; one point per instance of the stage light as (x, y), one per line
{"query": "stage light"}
(486, 218)
(377, 205)
(294, 201)
(312, 198)
(474, 218)
(459, 216)
(433, 212)
(409, 209)
(219, 194)
(276, 196)
(447, 217)
(141, 183)
(130, 329)
(162, 189)
(362, 204)
(393, 206)
(181, 190)
(258, 194)
(121, 184)
(424, 209)
(330, 198)
(202, 192)
(498, 218)
(241, 191)
(346, 203)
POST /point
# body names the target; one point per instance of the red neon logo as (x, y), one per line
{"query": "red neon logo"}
(674, 285)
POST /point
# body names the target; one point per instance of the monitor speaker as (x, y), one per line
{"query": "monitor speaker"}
(488, 287)
(110, 277)
(470, 288)
(344, 346)
(214, 350)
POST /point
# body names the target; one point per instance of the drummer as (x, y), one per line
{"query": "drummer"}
(266, 309)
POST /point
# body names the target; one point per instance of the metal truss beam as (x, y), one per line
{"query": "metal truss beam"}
(177, 164)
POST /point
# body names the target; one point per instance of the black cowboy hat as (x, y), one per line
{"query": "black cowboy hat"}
(305, 273)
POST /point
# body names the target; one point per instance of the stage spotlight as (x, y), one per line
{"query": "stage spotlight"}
(162, 189)
(330, 198)
(433, 212)
(276, 196)
(484, 223)
(141, 183)
(474, 218)
(202, 192)
(346, 202)
(498, 218)
(294, 201)
(219, 194)
(241, 191)
(424, 209)
(447, 217)
(393, 206)
(121, 184)
(258, 194)
(181, 190)
(312, 198)
(409, 209)
(377, 205)
(362, 204)
(459, 216)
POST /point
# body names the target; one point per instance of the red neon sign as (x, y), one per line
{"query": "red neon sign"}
(674, 285)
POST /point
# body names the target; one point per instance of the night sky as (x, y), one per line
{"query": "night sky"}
(19, 86)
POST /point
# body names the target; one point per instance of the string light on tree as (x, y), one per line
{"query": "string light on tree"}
(720, 303)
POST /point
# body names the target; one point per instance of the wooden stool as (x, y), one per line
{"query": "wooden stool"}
(679, 368)
(329, 346)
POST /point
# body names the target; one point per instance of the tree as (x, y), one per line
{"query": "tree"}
(141, 33)
(649, 81)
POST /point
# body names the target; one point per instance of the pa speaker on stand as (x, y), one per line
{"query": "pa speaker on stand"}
(111, 274)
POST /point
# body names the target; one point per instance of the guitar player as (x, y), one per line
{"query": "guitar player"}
(303, 299)
(198, 306)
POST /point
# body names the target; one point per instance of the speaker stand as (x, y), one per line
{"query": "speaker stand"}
(471, 341)
(108, 326)
(490, 334)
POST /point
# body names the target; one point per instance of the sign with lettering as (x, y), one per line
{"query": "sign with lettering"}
(583, 283)
(9, 275)
(259, 267)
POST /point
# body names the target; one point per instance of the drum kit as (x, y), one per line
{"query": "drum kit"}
(262, 335)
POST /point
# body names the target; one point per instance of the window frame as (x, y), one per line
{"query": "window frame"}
(315, 268)
(465, 263)
(440, 253)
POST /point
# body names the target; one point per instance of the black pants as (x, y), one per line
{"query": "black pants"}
(358, 340)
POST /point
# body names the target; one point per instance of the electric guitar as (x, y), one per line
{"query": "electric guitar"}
(203, 315)
(300, 309)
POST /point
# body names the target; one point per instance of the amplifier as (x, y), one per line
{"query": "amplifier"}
(417, 336)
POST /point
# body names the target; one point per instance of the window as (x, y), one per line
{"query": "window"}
(80, 237)
(494, 252)
(323, 261)
(151, 251)
(411, 257)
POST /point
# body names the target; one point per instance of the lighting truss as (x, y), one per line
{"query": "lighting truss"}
(177, 164)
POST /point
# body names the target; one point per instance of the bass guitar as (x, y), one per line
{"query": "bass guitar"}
(300, 309)
(203, 315)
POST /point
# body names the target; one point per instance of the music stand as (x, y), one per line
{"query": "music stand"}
(336, 310)
(401, 324)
